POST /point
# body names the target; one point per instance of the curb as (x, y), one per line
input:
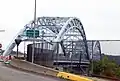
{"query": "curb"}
(72, 77)
(34, 68)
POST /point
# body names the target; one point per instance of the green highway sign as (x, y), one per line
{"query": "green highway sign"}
(30, 33)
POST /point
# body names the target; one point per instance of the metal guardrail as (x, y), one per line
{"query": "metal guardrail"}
(69, 62)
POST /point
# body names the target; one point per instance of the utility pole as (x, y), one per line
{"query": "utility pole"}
(33, 47)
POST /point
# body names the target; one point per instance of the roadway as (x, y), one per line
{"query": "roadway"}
(10, 74)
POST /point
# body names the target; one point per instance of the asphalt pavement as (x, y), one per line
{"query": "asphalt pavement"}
(10, 74)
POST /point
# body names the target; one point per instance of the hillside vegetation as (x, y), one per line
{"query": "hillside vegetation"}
(106, 67)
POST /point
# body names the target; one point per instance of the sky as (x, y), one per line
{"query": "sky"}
(100, 18)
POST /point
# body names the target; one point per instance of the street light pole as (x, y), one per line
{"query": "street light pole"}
(33, 47)
(2, 30)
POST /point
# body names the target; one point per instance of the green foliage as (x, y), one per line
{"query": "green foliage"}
(117, 72)
(106, 67)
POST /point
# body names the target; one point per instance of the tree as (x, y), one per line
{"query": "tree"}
(106, 67)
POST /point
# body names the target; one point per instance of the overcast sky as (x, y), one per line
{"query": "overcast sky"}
(100, 18)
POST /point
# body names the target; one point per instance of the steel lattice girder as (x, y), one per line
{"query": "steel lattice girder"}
(53, 29)
(96, 50)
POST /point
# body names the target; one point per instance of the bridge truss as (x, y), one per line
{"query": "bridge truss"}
(65, 33)
(94, 49)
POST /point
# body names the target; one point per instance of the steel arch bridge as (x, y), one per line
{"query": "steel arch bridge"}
(94, 49)
(68, 32)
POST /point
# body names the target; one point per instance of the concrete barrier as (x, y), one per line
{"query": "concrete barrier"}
(24, 65)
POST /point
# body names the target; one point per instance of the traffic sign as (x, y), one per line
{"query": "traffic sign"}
(30, 33)
(18, 41)
(0, 45)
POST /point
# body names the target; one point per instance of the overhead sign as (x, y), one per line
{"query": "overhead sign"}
(30, 33)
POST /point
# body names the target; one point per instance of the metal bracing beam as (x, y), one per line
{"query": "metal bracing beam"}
(63, 48)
